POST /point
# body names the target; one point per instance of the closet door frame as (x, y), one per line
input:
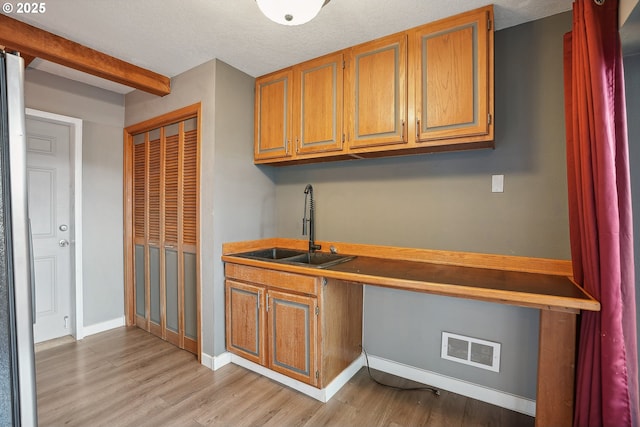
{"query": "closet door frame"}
(189, 112)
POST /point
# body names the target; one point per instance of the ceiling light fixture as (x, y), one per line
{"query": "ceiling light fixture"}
(291, 12)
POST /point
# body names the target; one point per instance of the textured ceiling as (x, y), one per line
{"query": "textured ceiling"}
(172, 36)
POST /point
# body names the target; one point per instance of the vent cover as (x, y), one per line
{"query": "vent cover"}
(471, 351)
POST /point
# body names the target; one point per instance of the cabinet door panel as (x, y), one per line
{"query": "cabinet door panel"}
(190, 296)
(318, 105)
(292, 335)
(377, 92)
(273, 109)
(171, 290)
(245, 320)
(140, 297)
(452, 89)
(449, 78)
(154, 284)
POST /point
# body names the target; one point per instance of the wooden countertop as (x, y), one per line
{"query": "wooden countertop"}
(529, 282)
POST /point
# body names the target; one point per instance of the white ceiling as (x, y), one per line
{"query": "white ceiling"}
(172, 36)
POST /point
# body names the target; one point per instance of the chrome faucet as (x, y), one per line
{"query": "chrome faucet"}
(308, 192)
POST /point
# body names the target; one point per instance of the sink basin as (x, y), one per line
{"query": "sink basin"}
(319, 259)
(298, 257)
(272, 254)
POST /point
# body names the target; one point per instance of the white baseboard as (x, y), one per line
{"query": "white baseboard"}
(316, 393)
(495, 397)
(103, 326)
(344, 376)
(215, 362)
(323, 395)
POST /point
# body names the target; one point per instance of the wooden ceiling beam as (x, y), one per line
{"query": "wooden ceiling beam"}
(27, 59)
(33, 42)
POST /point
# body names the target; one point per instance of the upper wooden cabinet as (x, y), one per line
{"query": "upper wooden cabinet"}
(376, 93)
(273, 115)
(426, 89)
(454, 85)
(317, 105)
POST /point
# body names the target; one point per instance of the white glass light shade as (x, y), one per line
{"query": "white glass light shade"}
(290, 12)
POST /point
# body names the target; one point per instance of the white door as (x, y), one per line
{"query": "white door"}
(48, 187)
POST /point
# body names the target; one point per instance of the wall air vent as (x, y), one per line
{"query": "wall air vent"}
(471, 351)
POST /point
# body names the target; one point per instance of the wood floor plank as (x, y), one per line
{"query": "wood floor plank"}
(127, 377)
(296, 412)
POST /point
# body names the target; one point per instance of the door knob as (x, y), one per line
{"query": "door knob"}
(63, 243)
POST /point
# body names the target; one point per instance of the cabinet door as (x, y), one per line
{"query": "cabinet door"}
(376, 99)
(292, 335)
(454, 96)
(318, 105)
(245, 320)
(273, 114)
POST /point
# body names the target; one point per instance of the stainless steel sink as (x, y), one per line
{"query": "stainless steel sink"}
(272, 254)
(319, 259)
(297, 257)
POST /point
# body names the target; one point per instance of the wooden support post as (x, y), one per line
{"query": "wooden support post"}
(556, 369)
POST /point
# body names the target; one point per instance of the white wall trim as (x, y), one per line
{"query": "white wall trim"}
(215, 362)
(76, 163)
(314, 392)
(103, 326)
(206, 360)
(485, 394)
(474, 391)
(323, 395)
(344, 377)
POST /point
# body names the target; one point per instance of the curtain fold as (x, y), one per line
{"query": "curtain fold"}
(600, 217)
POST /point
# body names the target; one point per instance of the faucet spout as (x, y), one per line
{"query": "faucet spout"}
(308, 192)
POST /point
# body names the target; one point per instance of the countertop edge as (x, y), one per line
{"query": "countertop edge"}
(518, 298)
(463, 259)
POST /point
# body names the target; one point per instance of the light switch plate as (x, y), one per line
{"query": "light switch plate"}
(497, 183)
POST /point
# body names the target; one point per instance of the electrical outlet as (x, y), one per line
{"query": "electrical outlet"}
(497, 183)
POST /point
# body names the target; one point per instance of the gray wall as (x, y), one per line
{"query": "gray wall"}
(632, 87)
(444, 201)
(244, 194)
(195, 85)
(236, 199)
(102, 113)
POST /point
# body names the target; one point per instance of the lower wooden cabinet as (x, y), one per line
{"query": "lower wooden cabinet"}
(292, 323)
(245, 320)
(308, 328)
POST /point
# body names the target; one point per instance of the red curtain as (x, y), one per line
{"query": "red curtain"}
(601, 227)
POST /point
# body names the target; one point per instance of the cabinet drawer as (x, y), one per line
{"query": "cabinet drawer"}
(274, 279)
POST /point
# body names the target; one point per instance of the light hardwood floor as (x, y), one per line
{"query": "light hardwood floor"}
(127, 377)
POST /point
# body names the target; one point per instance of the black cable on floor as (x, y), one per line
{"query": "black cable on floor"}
(423, 388)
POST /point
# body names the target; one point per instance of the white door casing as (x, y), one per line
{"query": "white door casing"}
(54, 171)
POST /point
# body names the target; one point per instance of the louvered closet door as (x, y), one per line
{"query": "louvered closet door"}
(165, 182)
